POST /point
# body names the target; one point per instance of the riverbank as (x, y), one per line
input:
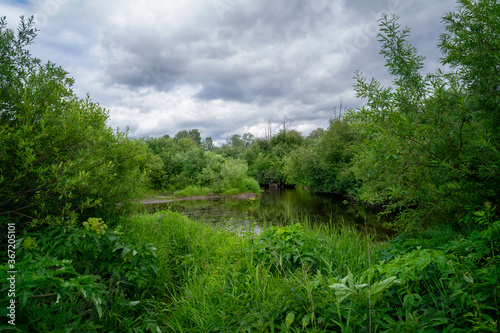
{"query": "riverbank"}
(163, 272)
(161, 199)
(321, 279)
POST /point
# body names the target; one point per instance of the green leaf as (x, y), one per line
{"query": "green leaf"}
(306, 320)
(290, 317)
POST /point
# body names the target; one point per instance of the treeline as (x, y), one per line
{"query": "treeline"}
(426, 147)
(321, 161)
(186, 166)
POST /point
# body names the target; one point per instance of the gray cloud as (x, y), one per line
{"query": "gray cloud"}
(223, 66)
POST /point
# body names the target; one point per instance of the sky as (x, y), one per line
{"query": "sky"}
(222, 66)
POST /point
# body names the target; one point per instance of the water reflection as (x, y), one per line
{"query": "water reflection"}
(280, 207)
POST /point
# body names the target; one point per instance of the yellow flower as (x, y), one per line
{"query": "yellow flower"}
(30, 243)
(96, 225)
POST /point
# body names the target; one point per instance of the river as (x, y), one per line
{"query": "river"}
(281, 207)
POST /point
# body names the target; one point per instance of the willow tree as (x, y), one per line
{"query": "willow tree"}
(428, 149)
(58, 158)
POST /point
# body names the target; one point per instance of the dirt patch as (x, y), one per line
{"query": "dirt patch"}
(242, 196)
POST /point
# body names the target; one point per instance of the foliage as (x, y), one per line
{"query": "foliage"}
(192, 190)
(321, 162)
(423, 152)
(57, 156)
(183, 167)
(84, 278)
(324, 164)
(471, 45)
(294, 279)
(427, 147)
(218, 280)
(192, 134)
(288, 248)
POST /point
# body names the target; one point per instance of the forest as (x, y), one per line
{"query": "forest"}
(78, 256)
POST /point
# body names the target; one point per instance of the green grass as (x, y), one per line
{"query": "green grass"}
(316, 278)
(192, 191)
(217, 280)
(166, 272)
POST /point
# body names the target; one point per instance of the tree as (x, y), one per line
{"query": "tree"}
(268, 130)
(471, 45)
(248, 139)
(323, 162)
(234, 147)
(208, 144)
(423, 151)
(193, 134)
(285, 124)
(58, 159)
(235, 141)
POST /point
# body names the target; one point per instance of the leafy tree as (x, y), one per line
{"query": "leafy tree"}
(234, 146)
(193, 134)
(208, 144)
(315, 134)
(190, 169)
(323, 164)
(471, 45)
(248, 139)
(58, 158)
(423, 151)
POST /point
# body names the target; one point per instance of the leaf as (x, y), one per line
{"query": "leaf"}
(289, 319)
(441, 262)
(305, 320)
(97, 302)
(350, 279)
(468, 277)
(380, 286)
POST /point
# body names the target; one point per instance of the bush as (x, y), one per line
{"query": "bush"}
(58, 158)
(83, 278)
(288, 248)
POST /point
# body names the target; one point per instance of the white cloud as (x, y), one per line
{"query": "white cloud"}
(221, 66)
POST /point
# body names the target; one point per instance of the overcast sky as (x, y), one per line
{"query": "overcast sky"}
(222, 66)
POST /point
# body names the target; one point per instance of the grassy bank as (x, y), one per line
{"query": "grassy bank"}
(298, 279)
(226, 279)
(165, 273)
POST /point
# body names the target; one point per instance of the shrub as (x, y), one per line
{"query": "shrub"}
(288, 248)
(83, 278)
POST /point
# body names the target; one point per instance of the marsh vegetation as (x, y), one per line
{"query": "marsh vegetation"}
(425, 150)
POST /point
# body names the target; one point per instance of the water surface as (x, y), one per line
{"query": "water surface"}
(280, 207)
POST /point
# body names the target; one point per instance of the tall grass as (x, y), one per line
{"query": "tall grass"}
(217, 279)
(308, 277)
(193, 190)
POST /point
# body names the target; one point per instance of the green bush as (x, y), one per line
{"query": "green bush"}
(250, 185)
(58, 158)
(83, 278)
(288, 248)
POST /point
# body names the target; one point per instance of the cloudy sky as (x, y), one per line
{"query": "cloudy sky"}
(222, 66)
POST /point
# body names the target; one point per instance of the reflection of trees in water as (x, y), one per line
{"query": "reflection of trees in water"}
(280, 207)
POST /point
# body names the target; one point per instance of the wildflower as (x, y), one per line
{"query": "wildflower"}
(30, 243)
(96, 225)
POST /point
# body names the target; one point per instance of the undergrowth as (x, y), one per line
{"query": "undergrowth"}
(83, 278)
(164, 272)
(296, 279)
